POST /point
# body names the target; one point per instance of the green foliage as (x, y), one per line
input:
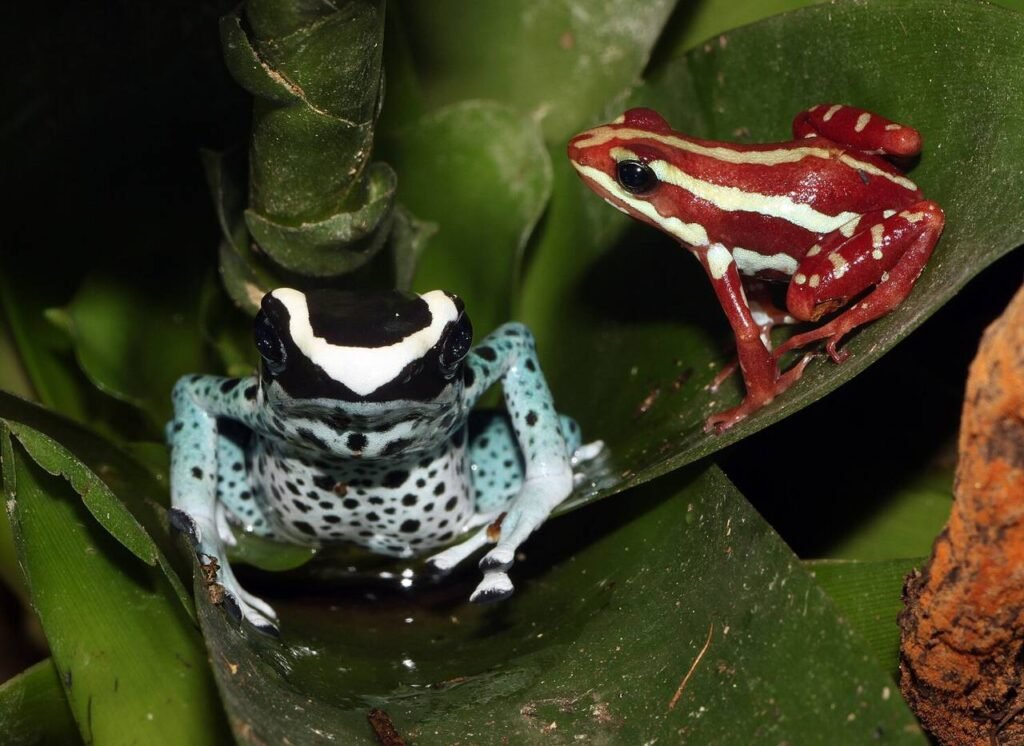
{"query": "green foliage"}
(33, 711)
(463, 179)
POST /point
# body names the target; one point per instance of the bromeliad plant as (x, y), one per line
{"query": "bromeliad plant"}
(671, 611)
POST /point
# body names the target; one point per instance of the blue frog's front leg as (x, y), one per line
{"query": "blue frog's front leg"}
(509, 355)
(200, 404)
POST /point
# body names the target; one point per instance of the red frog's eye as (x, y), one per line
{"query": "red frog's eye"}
(646, 119)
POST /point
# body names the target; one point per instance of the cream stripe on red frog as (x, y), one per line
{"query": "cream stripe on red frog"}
(825, 212)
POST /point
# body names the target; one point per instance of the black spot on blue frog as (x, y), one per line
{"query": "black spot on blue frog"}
(359, 429)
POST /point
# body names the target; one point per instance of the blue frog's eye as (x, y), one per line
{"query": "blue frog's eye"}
(455, 344)
(636, 177)
(269, 344)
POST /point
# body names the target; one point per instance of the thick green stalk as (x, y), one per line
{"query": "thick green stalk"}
(317, 205)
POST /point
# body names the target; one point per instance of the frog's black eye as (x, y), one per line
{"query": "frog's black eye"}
(455, 345)
(636, 177)
(268, 344)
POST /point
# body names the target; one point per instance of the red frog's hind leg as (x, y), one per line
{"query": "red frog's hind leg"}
(887, 252)
(858, 129)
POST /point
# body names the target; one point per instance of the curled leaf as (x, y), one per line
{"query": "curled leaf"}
(317, 207)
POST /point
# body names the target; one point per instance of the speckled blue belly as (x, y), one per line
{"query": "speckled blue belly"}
(394, 506)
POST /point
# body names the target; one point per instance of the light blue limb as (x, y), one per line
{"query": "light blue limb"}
(509, 355)
(497, 461)
(196, 447)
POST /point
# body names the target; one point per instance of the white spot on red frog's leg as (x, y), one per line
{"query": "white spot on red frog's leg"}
(840, 264)
(831, 112)
(877, 236)
(719, 258)
(912, 217)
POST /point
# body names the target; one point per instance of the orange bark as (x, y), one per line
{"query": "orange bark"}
(962, 650)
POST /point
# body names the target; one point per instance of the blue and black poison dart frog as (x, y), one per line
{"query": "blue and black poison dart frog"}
(359, 429)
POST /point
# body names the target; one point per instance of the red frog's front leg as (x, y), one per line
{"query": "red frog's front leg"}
(758, 366)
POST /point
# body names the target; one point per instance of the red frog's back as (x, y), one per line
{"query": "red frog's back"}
(768, 203)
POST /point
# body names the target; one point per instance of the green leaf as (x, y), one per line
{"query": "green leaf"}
(870, 596)
(608, 618)
(227, 330)
(600, 288)
(247, 276)
(135, 336)
(42, 348)
(905, 523)
(480, 173)
(132, 665)
(557, 63)
(101, 502)
(707, 18)
(33, 709)
(122, 495)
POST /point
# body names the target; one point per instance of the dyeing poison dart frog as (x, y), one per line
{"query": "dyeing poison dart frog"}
(358, 429)
(825, 212)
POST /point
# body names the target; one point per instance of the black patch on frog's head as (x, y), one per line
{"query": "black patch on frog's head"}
(363, 320)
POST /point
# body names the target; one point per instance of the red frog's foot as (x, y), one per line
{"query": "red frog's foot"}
(832, 332)
(723, 375)
(721, 421)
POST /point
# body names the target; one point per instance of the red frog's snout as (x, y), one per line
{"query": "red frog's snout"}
(579, 153)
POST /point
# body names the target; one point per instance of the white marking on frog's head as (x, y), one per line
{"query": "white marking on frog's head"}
(384, 346)
(365, 367)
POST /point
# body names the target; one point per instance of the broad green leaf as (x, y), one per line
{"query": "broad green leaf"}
(10, 575)
(704, 19)
(122, 495)
(557, 62)
(228, 331)
(130, 660)
(478, 171)
(604, 290)
(905, 523)
(13, 375)
(34, 711)
(135, 336)
(870, 596)
(609, 616)
(97, 497)
(701, 20)
(42, 349)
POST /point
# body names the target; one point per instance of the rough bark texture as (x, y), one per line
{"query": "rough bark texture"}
(962, 650)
